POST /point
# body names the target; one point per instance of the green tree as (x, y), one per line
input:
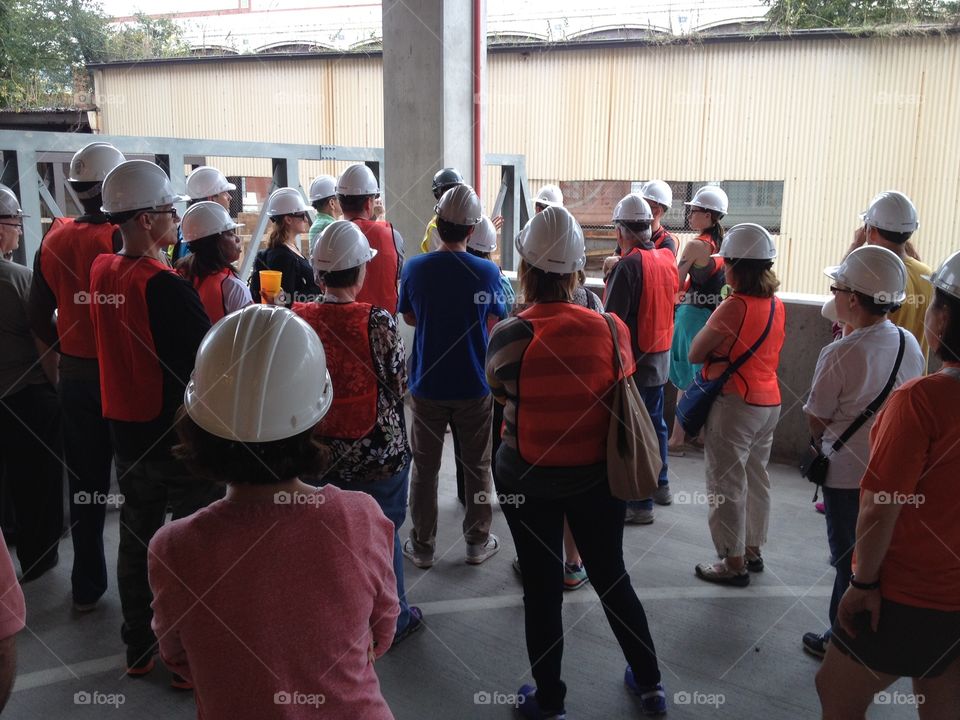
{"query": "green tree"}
(789, 14)
(45, 46)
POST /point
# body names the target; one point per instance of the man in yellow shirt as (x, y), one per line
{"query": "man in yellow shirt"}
(442, 181)
(889, 222)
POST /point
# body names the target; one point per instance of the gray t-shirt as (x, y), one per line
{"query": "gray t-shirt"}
(19, 360)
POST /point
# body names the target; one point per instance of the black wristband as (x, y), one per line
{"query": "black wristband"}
(863, 586)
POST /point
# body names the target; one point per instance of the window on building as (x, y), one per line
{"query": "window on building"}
(753, 201)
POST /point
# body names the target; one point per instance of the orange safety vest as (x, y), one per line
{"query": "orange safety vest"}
(210, 290)
(660, 238)
(131, 379)
(756, 380)
(383, 272)
(344, 331)
(66, 255)
(566, 373)
(655, 312)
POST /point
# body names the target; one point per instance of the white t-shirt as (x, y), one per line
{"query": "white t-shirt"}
(236, 294)
(850, 373)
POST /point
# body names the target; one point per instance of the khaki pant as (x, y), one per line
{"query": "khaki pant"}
(472, 419)
(737, 448)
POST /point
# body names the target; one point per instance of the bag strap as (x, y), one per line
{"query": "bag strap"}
(617, 360)
(738, 363)
(872, 408)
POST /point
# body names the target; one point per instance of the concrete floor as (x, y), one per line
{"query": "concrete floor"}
(730, 653)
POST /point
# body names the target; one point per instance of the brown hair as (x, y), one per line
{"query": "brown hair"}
(538, 285)
(949, 350)
(247, 463)
(278, 232)
(754, 277)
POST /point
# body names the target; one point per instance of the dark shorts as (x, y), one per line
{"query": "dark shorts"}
(910, 641)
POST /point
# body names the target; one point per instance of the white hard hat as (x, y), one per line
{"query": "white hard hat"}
(137, 185)
(553, 241)
(748, 241)
(874, 271)
(659, 192)
(892, 211)
(632, 209)
(322, 187)
(947, 276)
(285, 201)
(341, 246)
(549, 195)
(205, 218)
(207, 181)
(484, 236)
(357, 180)
(710, 197)
(459, 205)
(261, 375)
(94, 161)
(9, 205)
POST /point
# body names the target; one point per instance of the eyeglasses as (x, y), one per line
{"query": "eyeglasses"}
(12, 224)
(300, 216)
(697, 210)
(172, 212)
(834, 289)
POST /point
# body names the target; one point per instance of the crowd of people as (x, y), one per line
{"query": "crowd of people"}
(270, 418)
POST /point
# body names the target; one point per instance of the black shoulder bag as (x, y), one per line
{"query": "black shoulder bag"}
(815, 464)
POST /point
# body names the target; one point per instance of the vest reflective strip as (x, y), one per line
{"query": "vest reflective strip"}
(66, 256)
(655, 310)
(210, 290)
(131, 379)
(564, 372)
(380, 287)
(344, 330)
(756, 382)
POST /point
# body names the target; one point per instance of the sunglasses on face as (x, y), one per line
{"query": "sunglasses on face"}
(172, 212)
(834, 289)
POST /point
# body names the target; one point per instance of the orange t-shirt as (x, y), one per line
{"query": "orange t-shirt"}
(915, 460)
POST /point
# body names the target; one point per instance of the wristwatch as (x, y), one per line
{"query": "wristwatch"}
(862, 585)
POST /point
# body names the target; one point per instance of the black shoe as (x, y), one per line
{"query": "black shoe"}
(755, 563)
(41, 566)
(815, 644)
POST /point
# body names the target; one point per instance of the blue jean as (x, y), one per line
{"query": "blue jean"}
(841, 508)
(88, 453)
(653, 400)
(391, 495)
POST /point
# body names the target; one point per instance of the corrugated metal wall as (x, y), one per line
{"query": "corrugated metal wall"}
(836, 120)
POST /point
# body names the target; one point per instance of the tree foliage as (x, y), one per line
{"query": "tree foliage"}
(789, 14)
(45, 46)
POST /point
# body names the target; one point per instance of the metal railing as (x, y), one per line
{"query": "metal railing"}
(34, 162)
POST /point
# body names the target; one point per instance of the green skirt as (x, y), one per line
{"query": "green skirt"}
(687, 322)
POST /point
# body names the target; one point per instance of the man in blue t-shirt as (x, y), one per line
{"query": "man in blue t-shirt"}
(451, 298)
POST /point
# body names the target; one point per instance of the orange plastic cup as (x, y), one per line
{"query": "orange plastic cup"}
(270, 281)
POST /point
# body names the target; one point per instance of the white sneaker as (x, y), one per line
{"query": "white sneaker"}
(662, 495)
(638, 516)
(476, 554)
(421, 560)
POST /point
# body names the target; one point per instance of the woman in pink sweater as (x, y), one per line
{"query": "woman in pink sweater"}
(276, 600)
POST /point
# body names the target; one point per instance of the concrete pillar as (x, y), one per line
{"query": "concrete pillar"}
(428, 103)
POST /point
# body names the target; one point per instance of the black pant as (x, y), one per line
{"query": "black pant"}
(31, 455)
(149, 486)
(88, 453)
(596, 521)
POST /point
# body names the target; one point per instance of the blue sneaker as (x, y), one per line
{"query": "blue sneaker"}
(528, 707)
(653, 699)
